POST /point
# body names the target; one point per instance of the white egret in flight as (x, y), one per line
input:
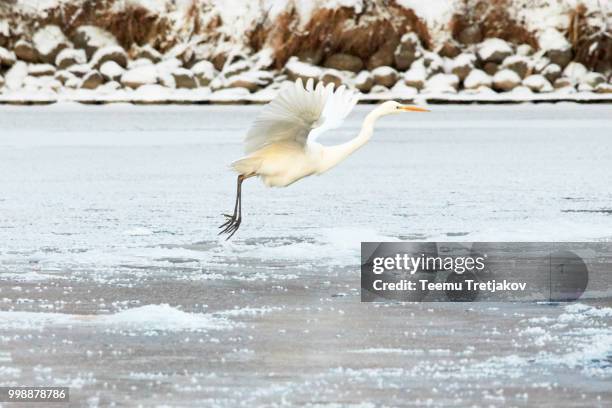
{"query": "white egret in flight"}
(281, 145)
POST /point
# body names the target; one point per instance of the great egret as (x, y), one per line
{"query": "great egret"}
(281, 145)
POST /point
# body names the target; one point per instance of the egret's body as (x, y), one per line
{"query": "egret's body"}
(281, 146)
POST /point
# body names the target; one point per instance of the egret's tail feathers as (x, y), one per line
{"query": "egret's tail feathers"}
(247, 165)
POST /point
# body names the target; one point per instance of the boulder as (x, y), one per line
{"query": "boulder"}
(139, 63)
(204, 71)
(604, 88)
(470, 35)
(73, 83)
(506, 80)
(332, 76)
(184, 52)
(539, 63)
(537, 83)
(575, 71)
(442, 83)
(64, 76)
(494, 50)
(490, 68)
(110, 53)
(518, 64)
(48, 42)
(184, 78)
(476, 79)
(14, 77)
(462, 65)
(593, 79)
(557, 48)
(416, 76)
(364, 81)
(403, 91)
(296, 69)
(312, 56)
(433, 63)
(449, 50)
(92, 80)
(236, 68)
(563, 83)
(7, 58)
(344, 62)
(385, 76)
(551, 72)
(524, 50)
(378, 89)
(92, 38)
(407, 51)
(39, 70)
(69, 56)
(134, 78)
(79, 70)
(25, 51)
(148, 52)
(383, 56)
(253, 80)
(111, 71)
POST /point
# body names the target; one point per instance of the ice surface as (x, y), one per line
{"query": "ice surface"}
(113, 280)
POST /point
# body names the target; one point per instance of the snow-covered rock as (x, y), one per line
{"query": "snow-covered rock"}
(70, 56)
(184, 52)
(470, 35)
(79, 70)
(24, 50)
(332, 76)
(111, 71)
(92, 80)
(403, 91)
(506, 80)
(148, 52)
(48, 42)
(551, 72)
(15, 76)
(416, 75)
(64, 76)
(344, 62)
(476, 79)
(442, 83)
(139, 63)
(494, 50)
(557, 48)
(7, 58)
(575, 71)
(134, 78)
(92, 38)
(462, 65)
(1, 81)
(364, 81)
(379, 89)
(204, 71)
(184, 78)
(236, 67)
(296, 69)
(603, 88)
(385, 76)
(593, 79)
(110, 53)
(407, 51)
(518, 64)
(537, 83)
(38, 70)
(563, 83)
(524, 50)
(252, 80)
(384, 56)
(432, 62)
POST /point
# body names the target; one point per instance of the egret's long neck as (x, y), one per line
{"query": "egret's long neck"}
(333, 155)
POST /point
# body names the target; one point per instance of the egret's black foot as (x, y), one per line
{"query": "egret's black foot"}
(231, 226)
(229, 220)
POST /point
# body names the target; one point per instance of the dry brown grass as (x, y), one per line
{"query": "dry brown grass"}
(493, 20)
(592, 47)
(338, 30)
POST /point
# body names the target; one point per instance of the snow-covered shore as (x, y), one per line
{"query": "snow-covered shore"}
(433, 51)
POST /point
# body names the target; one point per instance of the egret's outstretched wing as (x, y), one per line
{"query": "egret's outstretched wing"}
(300, 114)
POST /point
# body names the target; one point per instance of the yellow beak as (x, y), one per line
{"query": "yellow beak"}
(413, 109)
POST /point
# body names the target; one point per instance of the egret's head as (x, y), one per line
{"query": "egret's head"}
(392, 107)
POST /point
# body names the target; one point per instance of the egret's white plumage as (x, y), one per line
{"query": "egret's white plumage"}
(281, 146)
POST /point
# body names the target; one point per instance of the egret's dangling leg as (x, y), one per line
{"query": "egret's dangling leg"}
(233, 221)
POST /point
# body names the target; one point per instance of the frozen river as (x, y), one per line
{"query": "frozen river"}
(113, 280)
